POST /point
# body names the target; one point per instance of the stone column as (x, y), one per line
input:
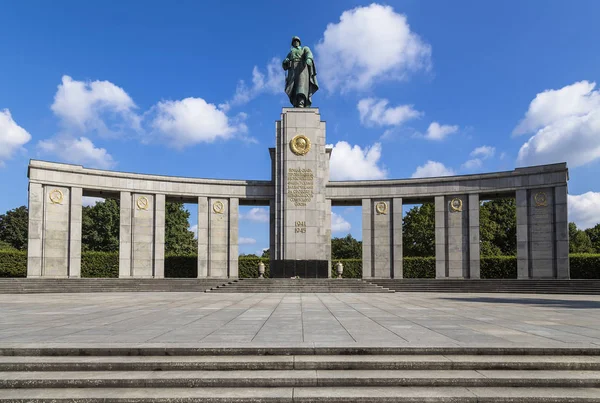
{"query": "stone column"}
(233, 237)
(328, 234)
(367, 236)
(542, 250)
(35, 230)
(125, 235)
(218, 237)
(440, 237)
(55, 238)
(203, 218)
(562, 232)
(159, 236)
(142, 239)
(474, 246)
(522, 234)
(396, 214)
(75, 233)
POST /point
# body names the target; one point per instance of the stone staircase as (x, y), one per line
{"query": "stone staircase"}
(256, 285)
(240, 375)
(591, 287)
(65, 285)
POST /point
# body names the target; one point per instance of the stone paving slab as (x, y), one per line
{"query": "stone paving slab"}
(300, 320)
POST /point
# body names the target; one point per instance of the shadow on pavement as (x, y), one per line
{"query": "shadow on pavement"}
(557, 303)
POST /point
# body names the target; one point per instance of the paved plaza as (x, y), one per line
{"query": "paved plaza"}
(401, 319)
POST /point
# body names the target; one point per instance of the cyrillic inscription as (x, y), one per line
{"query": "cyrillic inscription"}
(300, 186)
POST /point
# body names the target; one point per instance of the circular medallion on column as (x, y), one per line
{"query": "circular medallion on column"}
(218, 207)
(456, 204)
(540, 199)
(142, 203)
(300, 144)
(56, 196)
(381, 207)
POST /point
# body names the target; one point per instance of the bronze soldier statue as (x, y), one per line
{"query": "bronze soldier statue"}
(301, 81)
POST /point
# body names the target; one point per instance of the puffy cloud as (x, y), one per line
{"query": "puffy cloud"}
(584, 209)
(369, 44)
(86, 106)
(375, 112)
(271, 81)
(192, 121)
(432, 169)
(483, 152)
(246, 241)
(566, 123)
(256, 214)
(12, 136)
(194, 229)
(88, 201)
(435, 131)
(355, 163)
(339, 224)
(78, 151)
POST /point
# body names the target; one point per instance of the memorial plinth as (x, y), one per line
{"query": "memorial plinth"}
(300, 214)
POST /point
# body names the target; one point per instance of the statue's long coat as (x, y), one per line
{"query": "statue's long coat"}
(301, 77)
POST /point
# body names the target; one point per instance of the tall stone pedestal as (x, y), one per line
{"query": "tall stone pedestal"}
(301, 219)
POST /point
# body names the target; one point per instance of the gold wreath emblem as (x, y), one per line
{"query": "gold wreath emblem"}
(456, 204)
(142, 203)
(300, 144)
(218, 207)
(56, 196)
(540, 199)
(381, 207)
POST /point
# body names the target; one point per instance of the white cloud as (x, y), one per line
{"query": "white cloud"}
(246, 241)
(256, 214)
(271, 81)
(369, 44)
(355, 163)
(88, 201)
(584, 209)
(339, 224)
(86, 106)
(78, 151)
(566, 123)
(435, 131)
(375, 112)
(472, 164)
(483, 152)
(193, 120)
(432, 169)
(12, 136)
(194, 229)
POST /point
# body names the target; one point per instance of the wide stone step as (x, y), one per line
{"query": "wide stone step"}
(305, 395)
(306, 362)
(313, 378)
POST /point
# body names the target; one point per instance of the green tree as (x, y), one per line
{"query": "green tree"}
(346, 248)
(418, 228)
(100, 226)
(579, 241)
(594, 235)
(498, 227)
(14, 226)
(178, 237)
(265, 254)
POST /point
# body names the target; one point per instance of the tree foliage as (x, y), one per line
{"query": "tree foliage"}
(346, 248)
(13, 228)
(418, 228)
(498, 227)
(579, 241)
(179, 239)
(100, 226)
(594, 235)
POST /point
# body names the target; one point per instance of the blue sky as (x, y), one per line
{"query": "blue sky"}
(408, 88)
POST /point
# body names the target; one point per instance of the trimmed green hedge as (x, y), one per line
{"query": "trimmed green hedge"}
(100, 264)
(585, 265)
(13, 263)
(418, 267)
(498, 267)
